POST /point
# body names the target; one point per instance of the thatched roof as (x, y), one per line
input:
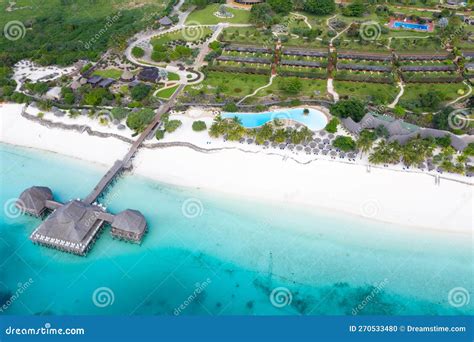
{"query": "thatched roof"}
(72, 222)
(33, 200)
(130, 221)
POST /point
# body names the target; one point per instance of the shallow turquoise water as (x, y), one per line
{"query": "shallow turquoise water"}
(314, 120)
(237, 252)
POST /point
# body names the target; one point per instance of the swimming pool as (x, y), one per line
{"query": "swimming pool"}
(314, 120)
(410, 26)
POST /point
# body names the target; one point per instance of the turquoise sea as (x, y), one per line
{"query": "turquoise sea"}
(210, 254)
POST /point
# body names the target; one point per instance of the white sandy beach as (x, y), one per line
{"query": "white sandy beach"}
(390, 195)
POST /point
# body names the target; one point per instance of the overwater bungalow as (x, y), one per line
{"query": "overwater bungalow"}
(129, 225)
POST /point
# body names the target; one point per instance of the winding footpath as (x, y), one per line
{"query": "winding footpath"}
(257, 90)
(400, 94)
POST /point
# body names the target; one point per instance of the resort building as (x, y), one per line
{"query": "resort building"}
(149, 74)
(249, 2)
(33, 200)
(399, 130)
(165, 21)
(129, 225)
(71, 228)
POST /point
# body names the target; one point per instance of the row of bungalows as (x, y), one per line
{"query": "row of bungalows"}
(399, 130)
(99, 81)
(428, 68)
(365, 57)
(304, 53)
(304, 64)
(248, 49)
(250, 60)
(422, 57)
(364, 67)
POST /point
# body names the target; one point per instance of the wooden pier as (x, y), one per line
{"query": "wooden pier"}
(120, 165)
(74, 226)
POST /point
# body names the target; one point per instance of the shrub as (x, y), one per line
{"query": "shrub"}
(138, 121)
(160, 134)
(345, 144)
(199, 126)
(331, 127)
(172, 125)
(138, 52)
(230, 107)
(40, 115)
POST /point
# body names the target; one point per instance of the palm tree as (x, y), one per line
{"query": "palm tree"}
(365, 141)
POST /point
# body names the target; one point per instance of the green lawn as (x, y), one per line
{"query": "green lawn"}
(173, 76)
(166, 93)
(447, 90)
(189, 34)
(379, 93)
(109, 73)
(311, 88)
(206, 16)
(229, 84)
(246, 35)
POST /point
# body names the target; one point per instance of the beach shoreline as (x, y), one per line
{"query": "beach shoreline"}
(387, 195)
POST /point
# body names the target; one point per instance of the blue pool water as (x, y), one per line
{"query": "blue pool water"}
(236, 251)
(410, 26)
(314, 120)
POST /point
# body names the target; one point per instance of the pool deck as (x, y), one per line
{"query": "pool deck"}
(394, 20)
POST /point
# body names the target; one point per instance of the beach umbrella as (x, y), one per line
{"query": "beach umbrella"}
(421, 166)
(299, 147)
(322, 133)
(431, 167)
(307, 150)
(325, 152)
(266, 143)
(342, 155)
(249, 141)
(315, 151)
(326, 141)
(312, 145)
(274, 144)
(333, 153)
(241, 140)
(291, 147)
(469, 174)
(121, 127)
(282, 146)
(317, 140)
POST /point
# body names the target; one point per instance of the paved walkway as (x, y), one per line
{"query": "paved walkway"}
(331, 90)
(400, 94)
(257, 90)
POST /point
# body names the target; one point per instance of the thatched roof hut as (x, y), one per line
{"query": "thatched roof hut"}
(130, 225)
(33, 200)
